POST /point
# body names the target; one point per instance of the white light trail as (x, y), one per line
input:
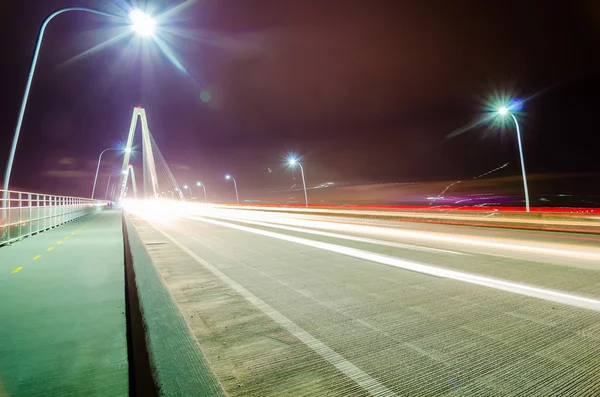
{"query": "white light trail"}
(521, 289)
(531, 247)
(342, 236)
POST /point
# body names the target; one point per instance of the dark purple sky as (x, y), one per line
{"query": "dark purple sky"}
(362, 90)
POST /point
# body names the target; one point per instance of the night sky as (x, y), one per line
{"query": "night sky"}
(363, 90)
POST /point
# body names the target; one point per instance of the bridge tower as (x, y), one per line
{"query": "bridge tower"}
(149, 166)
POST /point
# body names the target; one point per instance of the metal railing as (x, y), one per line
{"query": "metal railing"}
(23, 213)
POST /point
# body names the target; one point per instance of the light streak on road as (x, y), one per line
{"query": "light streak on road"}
(342, 236)
(521, 289)
(538, 248)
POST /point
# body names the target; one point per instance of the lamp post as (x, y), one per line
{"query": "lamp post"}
(504, 111)
(237, 197)
(293, 161)
(203, 188)
(189, 187)
(142, 24)
(108, 183)
(127, 150)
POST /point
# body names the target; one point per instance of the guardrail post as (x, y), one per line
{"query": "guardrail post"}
(29, 205)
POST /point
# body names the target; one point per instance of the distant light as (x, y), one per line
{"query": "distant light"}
(128, 150)
(185, 187)
(198, 183)
(205, 96)
(228, 177)
(124, 172)
(502, 111)
(143, 23)
(293, 161)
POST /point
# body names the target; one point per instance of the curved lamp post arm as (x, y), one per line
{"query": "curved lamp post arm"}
(237, 197)
(303, 183)
(98, 168)
(522, 163)
(30, 79)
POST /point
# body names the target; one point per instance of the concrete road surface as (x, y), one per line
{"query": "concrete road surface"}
(322, 306)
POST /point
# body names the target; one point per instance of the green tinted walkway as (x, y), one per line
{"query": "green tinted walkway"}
(62, 311)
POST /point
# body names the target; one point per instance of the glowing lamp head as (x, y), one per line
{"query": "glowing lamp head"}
(198, 184)
(228, 177)
(503, 111)
(124, 172)
(185, 187)
(293, 161)
(128, 150)
(142, 23)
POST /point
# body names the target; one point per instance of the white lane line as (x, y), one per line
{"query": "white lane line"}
(522, 289)
(364, 380)
(342, 236)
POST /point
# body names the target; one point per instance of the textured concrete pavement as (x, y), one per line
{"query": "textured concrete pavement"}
(275, 317)
(62, 311)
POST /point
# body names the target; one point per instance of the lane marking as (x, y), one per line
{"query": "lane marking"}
(59, 242)
(66, 237)
(346, 237)
(521, 289)
(17, 270)
(35, 258)
(50, 249)
(364, 380)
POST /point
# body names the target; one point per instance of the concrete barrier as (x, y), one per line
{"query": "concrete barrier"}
(166, 358)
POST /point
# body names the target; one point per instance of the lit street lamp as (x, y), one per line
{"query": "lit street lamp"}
(204, 188)
(188, 187)
(237, 197)
(293, 161)
(127, 150)
(141, 23)
(506, 111)
(107, 185)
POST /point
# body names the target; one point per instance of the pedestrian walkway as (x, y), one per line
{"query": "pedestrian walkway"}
(62, 311)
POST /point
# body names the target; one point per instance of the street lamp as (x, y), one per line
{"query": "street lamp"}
(187, 187)
(237, 197)
(504, 111)
(203, 188)
(141, 24)
(124, 172)
(293, 161)
(127, 150)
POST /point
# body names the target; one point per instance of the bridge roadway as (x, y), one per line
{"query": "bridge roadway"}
(305, 305)
(302, 305)
(62, 311)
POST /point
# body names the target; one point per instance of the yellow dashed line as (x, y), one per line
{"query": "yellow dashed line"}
(17, 270)
(59, 242)
(72, 234)
(36, 257)
(66, 238)
(50, 249)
